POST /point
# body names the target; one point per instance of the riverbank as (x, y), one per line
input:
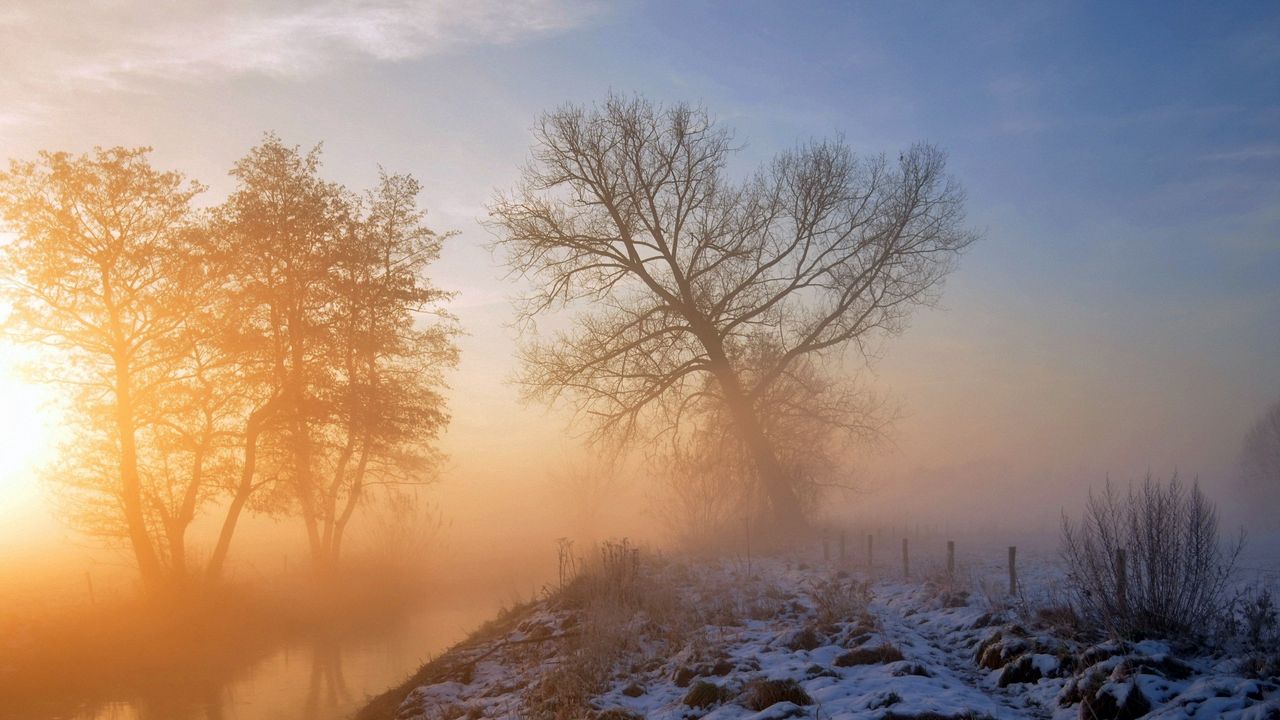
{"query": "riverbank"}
(670, 639)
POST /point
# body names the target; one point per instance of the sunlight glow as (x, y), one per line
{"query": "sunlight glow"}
(25, 435)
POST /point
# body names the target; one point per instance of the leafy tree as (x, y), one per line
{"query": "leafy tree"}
(104, 268)
(331, 287)
(387, 407)
(279, 230)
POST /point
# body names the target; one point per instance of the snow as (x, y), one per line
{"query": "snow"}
(769, 627)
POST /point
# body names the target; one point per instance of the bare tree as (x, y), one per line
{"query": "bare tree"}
(628, 209)
(1260, 459)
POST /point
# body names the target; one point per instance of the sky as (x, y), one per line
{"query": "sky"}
(1120, 315)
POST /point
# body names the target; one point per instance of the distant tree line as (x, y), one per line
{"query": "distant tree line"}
(282, 352)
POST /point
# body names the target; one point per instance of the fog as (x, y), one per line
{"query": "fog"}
(1042, 264)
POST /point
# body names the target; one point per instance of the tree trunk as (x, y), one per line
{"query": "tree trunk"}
(303, 481)
(253, 428)
(782, 496)
(177, 531)
(353, 499)
(130, 481)
(331, 536)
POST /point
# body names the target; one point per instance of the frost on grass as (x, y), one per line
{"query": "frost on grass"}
(639, 637)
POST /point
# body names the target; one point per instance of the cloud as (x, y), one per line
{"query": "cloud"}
(1260, 151)
(127, 42)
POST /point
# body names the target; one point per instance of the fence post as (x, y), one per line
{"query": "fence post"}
(1013, 570)
(951, 558)
(906, 563)
(869, 556)
(88, 579)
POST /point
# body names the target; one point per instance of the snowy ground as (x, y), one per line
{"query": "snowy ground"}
(793, 640)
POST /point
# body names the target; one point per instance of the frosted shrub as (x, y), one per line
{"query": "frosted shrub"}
(1149, 562)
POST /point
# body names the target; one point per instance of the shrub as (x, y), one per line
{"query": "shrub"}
(1149, 562)
(1256, 623)
(840, 599)
(609, 600)
(704, 695)
(1260, 624)
(761, 694)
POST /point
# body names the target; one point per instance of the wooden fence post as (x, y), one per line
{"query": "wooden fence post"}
(1013, 570)
(951, 558)
(906, 563)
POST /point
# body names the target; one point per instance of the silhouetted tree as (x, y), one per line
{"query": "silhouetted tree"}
(814, 422)
(331, 288)
(387, 408)
(628, 209)
(281, 228)
(105, 268)
(188, 447)
(1260, 460)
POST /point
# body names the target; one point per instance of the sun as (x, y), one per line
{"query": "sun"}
(25, 434)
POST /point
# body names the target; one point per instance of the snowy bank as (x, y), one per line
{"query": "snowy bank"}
(782, 639)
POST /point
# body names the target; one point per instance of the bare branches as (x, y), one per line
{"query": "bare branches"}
(626, 214)
(1149, 561)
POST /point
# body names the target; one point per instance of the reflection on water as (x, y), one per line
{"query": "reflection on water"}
(320, 678)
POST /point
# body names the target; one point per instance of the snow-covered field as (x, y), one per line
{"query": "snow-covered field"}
(787, 639)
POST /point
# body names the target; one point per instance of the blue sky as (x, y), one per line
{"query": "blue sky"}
(1123, 160)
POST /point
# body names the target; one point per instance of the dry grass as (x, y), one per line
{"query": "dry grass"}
(840, 599)
(619, 598)
(879, 655)
(704, 694)
(762, 694)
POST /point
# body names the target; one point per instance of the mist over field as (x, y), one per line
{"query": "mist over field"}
(567, 359)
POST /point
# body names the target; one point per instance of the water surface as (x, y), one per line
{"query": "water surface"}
(313, 678)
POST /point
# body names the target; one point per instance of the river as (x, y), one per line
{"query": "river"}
(312, 678)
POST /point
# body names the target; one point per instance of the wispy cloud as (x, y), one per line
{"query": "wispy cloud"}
(53, 47)
(1260, 151)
